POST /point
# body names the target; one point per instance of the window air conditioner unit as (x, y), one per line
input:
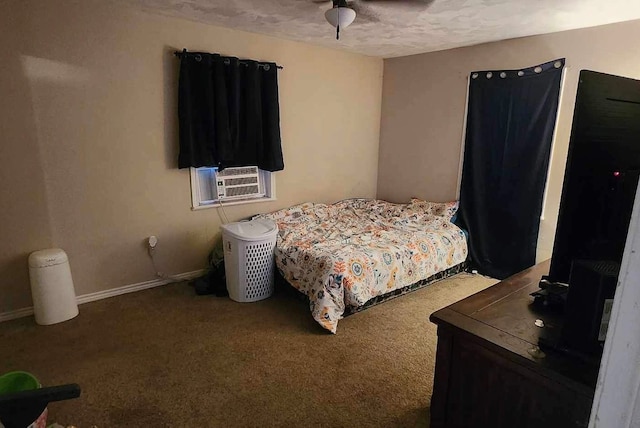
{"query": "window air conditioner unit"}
(239, 183)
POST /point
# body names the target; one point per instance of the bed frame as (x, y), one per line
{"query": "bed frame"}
(282, 283)
(409, 288)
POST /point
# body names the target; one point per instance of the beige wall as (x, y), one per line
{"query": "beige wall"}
(423, 108)
(89, 138)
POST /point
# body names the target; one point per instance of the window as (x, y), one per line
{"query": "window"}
(231, 186)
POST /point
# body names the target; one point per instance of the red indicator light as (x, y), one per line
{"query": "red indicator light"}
(616, 173)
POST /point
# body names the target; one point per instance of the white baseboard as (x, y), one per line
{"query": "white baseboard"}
(18, 313)
(105, 294)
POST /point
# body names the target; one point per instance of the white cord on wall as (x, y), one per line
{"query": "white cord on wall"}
(223, 217)
(162, 275)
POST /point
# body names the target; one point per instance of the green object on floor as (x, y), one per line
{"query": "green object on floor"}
(17, 381)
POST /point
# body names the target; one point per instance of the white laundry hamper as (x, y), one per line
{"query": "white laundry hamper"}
(249, 261)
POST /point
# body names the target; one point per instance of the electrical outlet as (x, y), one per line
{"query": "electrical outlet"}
(152, 241)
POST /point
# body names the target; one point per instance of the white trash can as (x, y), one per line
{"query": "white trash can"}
(249, 261)
(54, 298)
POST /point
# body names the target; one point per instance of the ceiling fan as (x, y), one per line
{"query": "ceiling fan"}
(343, 12)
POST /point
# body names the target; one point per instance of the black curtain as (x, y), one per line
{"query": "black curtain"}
(228, 112)
(510, 123)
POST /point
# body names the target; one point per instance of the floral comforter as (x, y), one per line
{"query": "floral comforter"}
(344, 254)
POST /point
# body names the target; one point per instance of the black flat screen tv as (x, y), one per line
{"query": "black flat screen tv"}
(601, 176)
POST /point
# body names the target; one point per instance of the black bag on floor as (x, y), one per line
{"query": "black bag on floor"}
(215, 281)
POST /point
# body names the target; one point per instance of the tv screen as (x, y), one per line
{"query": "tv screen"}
(601, 176)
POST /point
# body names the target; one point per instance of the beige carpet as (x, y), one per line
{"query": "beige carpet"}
(166, 357)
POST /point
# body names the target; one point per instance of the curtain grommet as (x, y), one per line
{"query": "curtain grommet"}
(557, 64)
(474, 76)
(266, 67)
(503, 75)
(198, 57)
(520, 73)
(538, 69)
(489, 75)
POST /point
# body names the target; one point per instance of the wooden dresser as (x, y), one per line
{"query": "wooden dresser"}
(488, 373)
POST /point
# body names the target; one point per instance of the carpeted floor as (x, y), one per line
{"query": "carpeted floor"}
(166, 357)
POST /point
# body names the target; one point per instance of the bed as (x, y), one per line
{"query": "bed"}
(345, 255)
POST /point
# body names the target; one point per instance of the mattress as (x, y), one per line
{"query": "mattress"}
(345, 254)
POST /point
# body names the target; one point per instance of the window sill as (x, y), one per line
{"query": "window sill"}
(230, 203)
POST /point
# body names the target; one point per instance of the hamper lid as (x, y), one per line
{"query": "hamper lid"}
(49, 257)
(253, 230)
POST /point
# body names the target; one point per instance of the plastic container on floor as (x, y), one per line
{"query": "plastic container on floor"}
(30, 416)
(54, 297)
(249, 259)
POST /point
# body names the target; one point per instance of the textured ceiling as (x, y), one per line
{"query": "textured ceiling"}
(391, 28)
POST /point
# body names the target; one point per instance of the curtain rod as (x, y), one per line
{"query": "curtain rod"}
(184, 52)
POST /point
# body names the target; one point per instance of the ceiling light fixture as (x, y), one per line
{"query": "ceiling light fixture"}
(340, 16)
